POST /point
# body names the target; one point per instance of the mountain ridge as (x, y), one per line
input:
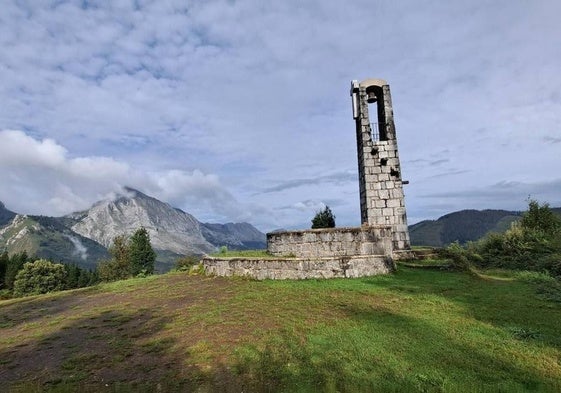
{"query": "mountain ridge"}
(173, 232)
(463, 226)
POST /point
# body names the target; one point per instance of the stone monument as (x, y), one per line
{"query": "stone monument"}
(380, 183)
(345, 252)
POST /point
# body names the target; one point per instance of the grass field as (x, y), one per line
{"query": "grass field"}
(416, 330)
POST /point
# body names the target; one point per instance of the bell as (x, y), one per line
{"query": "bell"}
(371, 97)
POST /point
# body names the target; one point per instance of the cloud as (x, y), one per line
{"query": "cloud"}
(40, 177)
(551, 139)
(211, 103)
(334, 178)
(79, 248)
(504, 194)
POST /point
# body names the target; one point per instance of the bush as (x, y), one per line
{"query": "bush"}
(533, 243)
(460, 258)
(185, 263)
(39, 277)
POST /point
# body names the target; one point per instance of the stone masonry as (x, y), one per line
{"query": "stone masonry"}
(330, 242)
(381, 186)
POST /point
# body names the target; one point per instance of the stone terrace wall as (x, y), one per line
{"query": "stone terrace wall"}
(300, 268)
(332, 242)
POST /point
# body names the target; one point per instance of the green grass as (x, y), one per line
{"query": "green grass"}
(417, 330)
(262, 254)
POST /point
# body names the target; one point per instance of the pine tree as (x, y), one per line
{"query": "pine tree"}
(4, 260)
(119, 266)
(15, 264)
(324, 219)
(141, 254)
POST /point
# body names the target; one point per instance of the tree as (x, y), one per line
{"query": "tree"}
(142, 255)
(541, 219)
(4, 261)
(324, 219)
(118, 267)
(15, 264)
(39, 277)
(76, 277)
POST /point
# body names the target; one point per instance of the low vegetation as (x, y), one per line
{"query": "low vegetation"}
(416, 330)
(533, 243)
(225, 253)
(484, 319)
(21, 275)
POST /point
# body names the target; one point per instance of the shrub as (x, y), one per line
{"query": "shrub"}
(460, 258)
(39, 277)
(186, 262)
(533, 243)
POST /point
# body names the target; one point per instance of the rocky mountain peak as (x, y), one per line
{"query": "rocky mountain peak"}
(169, 228)
(5, 215)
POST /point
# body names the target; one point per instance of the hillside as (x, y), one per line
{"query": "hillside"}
(412, 331)
(170, 229)
(463, 226)
(46, 237)
(5, 215)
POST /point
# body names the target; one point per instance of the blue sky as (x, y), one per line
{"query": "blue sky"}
(240, 111)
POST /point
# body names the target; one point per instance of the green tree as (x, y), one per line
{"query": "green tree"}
(324, 219)
(38, 277)
(541, 218)
(4, 261)
(76, 277)
(15, 264)
(119, 266)
(141, 253)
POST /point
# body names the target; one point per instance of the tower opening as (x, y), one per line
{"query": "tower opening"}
(377, 118)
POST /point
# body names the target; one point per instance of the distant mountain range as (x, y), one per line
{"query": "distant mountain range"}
(83, 237)
(463, 226)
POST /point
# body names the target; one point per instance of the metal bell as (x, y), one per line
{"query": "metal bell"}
(371, 97)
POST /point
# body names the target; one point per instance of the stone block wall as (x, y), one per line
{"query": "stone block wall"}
(332, 242)
(299, 268)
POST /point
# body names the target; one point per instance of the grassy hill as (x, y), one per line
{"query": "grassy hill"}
(463, 226)
(415, 331)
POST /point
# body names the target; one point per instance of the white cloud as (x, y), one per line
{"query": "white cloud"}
(253, 95)
(39, 177)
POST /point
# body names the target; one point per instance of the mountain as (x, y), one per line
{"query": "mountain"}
(46, 237)
(170, 229)
(236, 236)
(83, 237)
(173, 232)
(5, 215)
(463, 226)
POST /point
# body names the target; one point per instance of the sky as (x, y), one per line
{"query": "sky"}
(240, 110)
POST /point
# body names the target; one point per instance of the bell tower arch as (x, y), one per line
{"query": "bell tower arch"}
(382, 201)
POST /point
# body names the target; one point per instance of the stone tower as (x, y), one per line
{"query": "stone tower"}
(381, 187)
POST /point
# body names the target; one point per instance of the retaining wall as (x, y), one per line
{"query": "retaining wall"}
(300, 268)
